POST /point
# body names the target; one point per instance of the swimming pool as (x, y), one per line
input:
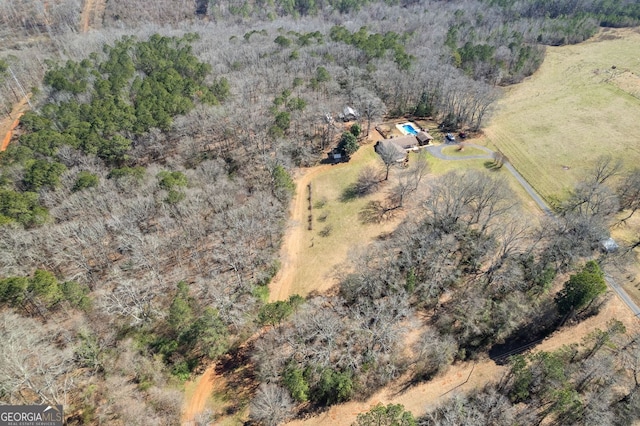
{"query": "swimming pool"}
(409, 129)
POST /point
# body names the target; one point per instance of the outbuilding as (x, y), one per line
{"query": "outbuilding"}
(609, 245)
(349, 114)
(424, 138)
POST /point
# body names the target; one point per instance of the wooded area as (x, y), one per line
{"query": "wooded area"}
(143, 202)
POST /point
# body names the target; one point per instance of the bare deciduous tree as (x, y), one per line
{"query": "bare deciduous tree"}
(271, 406)
(33, 369)
(473, 198)
(390, 156)
(408, 182)
(629, 193)
(369, 105)
(133, 301)
(433, 354)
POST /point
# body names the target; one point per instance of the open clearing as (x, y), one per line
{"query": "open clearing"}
(575, 108)
(311, 258)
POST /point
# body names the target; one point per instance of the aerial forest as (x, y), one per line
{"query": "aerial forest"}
(144, 198)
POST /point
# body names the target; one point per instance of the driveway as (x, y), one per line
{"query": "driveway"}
(436, 151)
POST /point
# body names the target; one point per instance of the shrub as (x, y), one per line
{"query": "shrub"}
(85, 180)
(581, 289)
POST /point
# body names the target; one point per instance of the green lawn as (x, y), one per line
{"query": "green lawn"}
(468, 151)
(337, 230)
(555, 124)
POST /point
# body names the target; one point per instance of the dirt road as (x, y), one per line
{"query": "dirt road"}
(461, 377)
(8, 124)
(91, 15)
(465, 376)
(202, 387)
(295, 237)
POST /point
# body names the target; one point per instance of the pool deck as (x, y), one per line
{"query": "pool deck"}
(400, 127)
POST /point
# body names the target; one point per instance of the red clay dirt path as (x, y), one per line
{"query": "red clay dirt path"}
(465, 376)
(8, 124)
(281, 286)
(199, 390)
(91, 15)
(197, 402)
(459, 378)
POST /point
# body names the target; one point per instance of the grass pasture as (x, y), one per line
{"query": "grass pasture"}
(575, 108)
(337, 229)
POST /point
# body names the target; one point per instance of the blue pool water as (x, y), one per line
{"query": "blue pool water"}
(410, 129)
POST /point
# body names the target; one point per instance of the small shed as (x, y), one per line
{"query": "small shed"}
(609, 245)
(335, 156)
(349, 114)
(424, 138)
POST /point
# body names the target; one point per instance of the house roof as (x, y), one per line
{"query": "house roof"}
(405, 142)
(399, 153)
(349, 111)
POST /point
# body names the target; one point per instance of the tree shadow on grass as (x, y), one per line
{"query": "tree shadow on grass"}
(239, 373)
(363, 186)
(377, 212)
(350, 193)
(492, 166)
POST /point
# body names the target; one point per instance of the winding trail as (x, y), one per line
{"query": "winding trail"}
(202, 389)
(462, 377)
(436, 151)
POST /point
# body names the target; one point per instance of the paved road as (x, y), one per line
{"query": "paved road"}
(436, 151)
(623, 295)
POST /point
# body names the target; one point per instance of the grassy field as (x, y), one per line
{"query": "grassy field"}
(582, 103)
(336, 228)
(574, 109)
